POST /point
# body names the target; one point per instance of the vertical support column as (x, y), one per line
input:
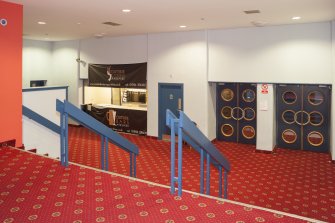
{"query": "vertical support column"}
(220, 181)
(131, 164)
(66, 139)
(173, 145)
(134, 165)
(64, 152)
(106, 154)
(225, 195)
(202, 171)
(208, 177)
(102, 152)
(180, 160)
(62, 140)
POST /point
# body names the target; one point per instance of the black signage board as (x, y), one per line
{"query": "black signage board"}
(118, 75)
(121, 120)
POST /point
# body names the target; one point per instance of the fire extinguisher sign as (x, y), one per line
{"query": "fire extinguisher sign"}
(265, 89)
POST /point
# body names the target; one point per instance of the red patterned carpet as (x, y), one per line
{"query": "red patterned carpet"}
(296, 182)
(38, 189)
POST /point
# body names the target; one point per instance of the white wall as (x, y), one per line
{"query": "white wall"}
(178, 58)
(65, 68)
(116, 50)
(274, 54)
(36, 136)
(36, 60)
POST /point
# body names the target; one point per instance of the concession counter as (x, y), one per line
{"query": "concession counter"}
(116, 95)
(128, 119)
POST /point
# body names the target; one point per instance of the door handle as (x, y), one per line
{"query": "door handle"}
(179, 103)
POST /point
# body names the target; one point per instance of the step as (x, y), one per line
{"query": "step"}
(32, 150)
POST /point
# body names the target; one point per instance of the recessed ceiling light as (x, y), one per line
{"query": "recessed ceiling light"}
(41, 23)
(296, 17)
(126, 10)
(254, 11)
(78, 23)
(182, 26)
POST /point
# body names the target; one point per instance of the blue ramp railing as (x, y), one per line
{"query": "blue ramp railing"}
(40, 119)
(67, 109)
(186, 131)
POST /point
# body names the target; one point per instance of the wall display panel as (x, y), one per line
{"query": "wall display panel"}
(303, 115)
(236, 112)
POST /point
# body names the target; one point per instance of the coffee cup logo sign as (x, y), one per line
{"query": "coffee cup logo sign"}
(3, 22)
(111, 115)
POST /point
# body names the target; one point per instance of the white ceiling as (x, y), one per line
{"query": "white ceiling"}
(150, 16)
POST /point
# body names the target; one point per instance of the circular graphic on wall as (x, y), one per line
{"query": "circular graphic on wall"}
(248, 132)
(301, 117)
(249, 114)
(289, 97)
(289, 136)
(288, 116)
(227, 130)
(315, 118)
(315, 98)
(226, 112)
(248, 95)
(237, 113)
(315, 138)
(227, 94)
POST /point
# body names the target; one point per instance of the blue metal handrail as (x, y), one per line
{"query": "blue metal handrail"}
(67, 109)
(40, 119)
(187, 131)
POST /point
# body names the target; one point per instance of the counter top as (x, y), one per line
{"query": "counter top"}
(128, 106)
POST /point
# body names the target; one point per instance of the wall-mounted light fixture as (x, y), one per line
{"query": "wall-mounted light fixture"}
(81, 61)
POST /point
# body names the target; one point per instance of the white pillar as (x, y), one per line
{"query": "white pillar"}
(266, 123)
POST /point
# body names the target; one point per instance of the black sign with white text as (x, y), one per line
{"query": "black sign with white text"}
(118, 75)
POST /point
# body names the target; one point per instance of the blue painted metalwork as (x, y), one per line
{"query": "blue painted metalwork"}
(202, 171)
(67, 109)
(225, 193)
(46, 88)
(63, 139)
(173, 152)
(106, 154)
(208, 174)
(102, 151)
(134, 175)
(180, 161)
(220, 181)
(40, 119)
(187, 131)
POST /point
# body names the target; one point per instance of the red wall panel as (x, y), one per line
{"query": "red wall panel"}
(11, 72)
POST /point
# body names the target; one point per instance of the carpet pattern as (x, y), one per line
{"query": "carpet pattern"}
(38, 189)
(297, 182)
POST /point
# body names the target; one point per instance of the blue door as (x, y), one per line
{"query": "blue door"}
(170, 96)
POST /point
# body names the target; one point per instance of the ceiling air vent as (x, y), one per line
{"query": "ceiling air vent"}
(111, 23)
(252, 11)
